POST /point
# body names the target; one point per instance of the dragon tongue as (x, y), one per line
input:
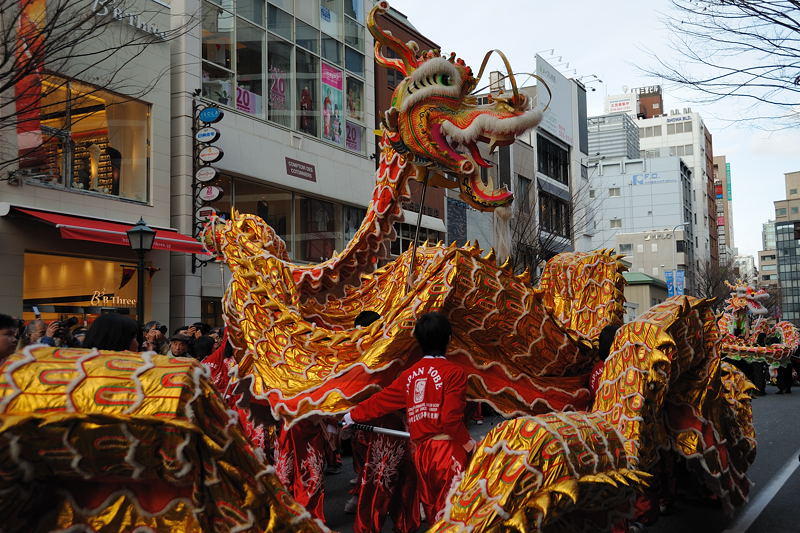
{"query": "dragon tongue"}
(476, 155)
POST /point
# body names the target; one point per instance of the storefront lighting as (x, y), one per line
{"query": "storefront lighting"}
(141, 238)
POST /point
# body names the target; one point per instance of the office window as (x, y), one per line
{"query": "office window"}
(792, 191)
(780, 211)
(552, 160)
(615, 223)
(554, 215)
(614, 192)
(656, 271)
(653, 247)
(625, 247)
(89, 139)
(591, 193)
(523, 194)
(794, 210)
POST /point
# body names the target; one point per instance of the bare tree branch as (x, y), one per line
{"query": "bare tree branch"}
(741, 49)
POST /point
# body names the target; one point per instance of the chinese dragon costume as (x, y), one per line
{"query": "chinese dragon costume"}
(145, 440)
(744, 311)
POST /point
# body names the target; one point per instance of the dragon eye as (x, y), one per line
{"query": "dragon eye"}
(444, 79)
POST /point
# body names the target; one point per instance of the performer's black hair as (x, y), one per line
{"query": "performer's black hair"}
(433, 332)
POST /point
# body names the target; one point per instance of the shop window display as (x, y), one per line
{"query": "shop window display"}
(273, 205)
(332, 105)
(91, 140)
(279, 22)
(320, 230)
(279, 66)
(355, 98)
(217, 35)
(249, 68)
(307, 68)
(252, 10)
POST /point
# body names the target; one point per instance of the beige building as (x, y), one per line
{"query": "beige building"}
(657, 252)
(768, 269)
(789, 209)
(641, 293)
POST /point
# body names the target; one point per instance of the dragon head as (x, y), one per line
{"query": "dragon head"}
(435, 122)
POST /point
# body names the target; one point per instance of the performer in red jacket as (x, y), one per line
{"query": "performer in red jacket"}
(433, 391)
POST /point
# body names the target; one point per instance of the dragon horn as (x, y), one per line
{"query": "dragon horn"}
(407, 62)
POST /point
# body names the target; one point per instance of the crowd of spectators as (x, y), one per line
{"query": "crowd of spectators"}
(110, 331)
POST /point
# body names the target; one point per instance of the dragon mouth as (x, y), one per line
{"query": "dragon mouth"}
(460, 144)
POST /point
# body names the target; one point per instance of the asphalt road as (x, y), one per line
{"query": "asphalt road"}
(774, 505)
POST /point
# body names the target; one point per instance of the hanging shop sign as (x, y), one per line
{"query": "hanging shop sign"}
(298, 169)
(209, 193)
(210, 115)
(210, 154)
(204, 214)
(205, 174)
(207, 135)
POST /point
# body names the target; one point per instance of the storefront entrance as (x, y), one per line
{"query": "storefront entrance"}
(60, 287)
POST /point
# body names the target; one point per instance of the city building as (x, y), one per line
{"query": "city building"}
(745, 268)
(638, 200)
(768, 269)
(641, 293)
(662, 254)
(613, 136)
(684, 134)
(90, 157)
(296, 83)
(768, 235)
(787, 245)
(723, 195)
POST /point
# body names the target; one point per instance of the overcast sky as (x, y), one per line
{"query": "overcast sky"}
(611, 39)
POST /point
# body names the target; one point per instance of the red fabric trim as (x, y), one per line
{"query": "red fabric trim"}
(87, 229)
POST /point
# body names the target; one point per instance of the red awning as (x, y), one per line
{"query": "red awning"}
(88, 229)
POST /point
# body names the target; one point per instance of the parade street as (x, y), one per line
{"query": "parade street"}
(775, 475)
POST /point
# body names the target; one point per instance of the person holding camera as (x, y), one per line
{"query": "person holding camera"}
(39, 332)
(154, 338)
(9, 330)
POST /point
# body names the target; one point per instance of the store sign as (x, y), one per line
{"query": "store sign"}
(557, 119)
(298, 169)
(679, 119)
(207, 135)
(210, 115)
(204, 214)
(205, 174)
(107, 8)
(651, 178)
(209, 193)
(99, 299)
(210, 154)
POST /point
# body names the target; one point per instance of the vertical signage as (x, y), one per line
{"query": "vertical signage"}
(332, 104)
(205, 153)
(679, 282)
(669, 276)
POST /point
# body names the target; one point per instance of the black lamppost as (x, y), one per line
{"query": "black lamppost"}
(141, 238)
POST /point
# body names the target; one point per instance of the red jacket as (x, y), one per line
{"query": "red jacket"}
(434, 394)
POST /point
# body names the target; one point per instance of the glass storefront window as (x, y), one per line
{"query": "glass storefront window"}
(332, 107)
(279, 65)
(279, 22)
(330, 17)
(225, 4)
(90, 140)
(308, 10)
(222, 205)
(353, 216)
(273, 205)
(217, 35)
(249, 67)
(354, 34)
(320, 229)
(307, 68)
(331, 49)
(355, 9)
(353, 61)
(252, 10)
(62, 287)
(217, 84)
(306, 36)
(354, 137)
(355, 98)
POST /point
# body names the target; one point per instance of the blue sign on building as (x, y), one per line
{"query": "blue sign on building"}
(668, 276)
(209, 115)
(680, 279)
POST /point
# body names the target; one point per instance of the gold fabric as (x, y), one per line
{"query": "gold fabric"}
(663, 388)
(119, 440)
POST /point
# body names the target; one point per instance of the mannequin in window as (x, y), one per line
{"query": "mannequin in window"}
(94, 165)
(116, 166)
(326, 116)
(306, 111)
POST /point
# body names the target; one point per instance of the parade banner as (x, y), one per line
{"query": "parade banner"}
(28, 89)
(680, 278)
(670, 279)
(332, 107)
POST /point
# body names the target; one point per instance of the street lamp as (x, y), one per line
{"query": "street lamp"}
(141, 237)
(675, 256)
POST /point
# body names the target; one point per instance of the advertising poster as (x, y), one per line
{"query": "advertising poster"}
(355, 98)
(354, 135)
(332, 108)
(670, 279)
(558, 117)
(679, 282)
